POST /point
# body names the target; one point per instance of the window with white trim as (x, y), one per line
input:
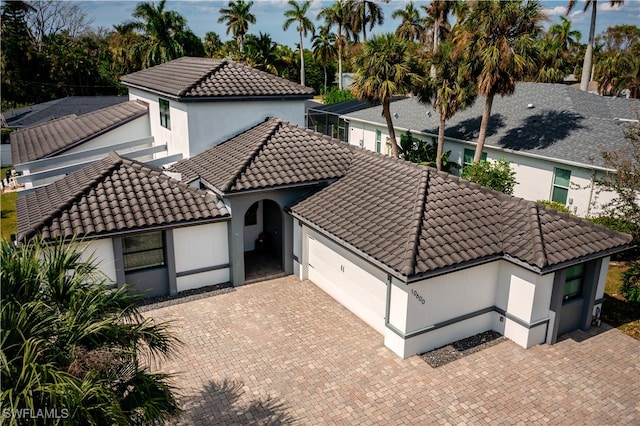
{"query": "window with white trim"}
(560, 190)
(165, 117)
(378, 141)
(142, 251)
(469, 154)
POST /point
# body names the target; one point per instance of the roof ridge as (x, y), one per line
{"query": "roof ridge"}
(415, 229)
(540, 255)
(206, 75)
(250, 158)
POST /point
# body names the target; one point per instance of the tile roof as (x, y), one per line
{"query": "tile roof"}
(197, 78)
(47, 111)
(112, 195)
(54, 137)
(563, 123)
(420, 222)
(271, 154)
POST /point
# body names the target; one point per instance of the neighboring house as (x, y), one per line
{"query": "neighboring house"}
(552, 133)
(423, 257)
(45, 152)
(146, 229)
(195, 103)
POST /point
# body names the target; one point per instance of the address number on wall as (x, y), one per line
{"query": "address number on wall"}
(418, 296)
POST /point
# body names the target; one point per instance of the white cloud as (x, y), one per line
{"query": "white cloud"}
(555, 11)
(606, 7)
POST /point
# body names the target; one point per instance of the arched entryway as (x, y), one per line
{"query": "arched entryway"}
(263, 242)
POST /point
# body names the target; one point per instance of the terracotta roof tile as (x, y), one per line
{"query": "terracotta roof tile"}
(194, 78)
(53, 137)
(110, 195)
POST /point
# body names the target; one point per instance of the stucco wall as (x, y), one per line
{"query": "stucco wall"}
(201, 247)
(101, 251)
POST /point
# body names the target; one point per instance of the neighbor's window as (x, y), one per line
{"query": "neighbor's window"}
(560, 189)
(573, 282)
(467, 160)
(165, 118)
(143, 251)
(378, 141)
(251, 217)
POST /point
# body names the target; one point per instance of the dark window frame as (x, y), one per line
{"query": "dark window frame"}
(165, 113)
(138, 252)
(562, 189)
(471, 153)
(573, 275)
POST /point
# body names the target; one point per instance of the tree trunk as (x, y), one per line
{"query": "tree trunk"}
(386, 111)
(436, 42)
(301, 61)
(486, 115)
(340, 59)
(440, 146)
(325, 79)
(588, 54)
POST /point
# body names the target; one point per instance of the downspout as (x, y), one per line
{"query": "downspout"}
(593, 184)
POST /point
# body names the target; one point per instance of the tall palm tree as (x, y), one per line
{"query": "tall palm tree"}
(72, 343)
(238, 16)
(298, 14)
(588, 54)
(261, 53)
(499, 41)
(337, 14)
(410, 27)
(212, 44)
(563, 33)
(449, 91)
(164, 31)
(365, 13)
(437, 12)
(324, 50)
(384, 68)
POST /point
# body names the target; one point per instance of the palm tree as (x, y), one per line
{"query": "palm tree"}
(384, 68)
(298, 14)
(437, 12)
(365, 13)
(411, 27)
(72, 343)
(261, 53)
(499, 41)
(337, 14)
(588, 54)
(164, 31)
(324, 50)
(238, 16)
(563, 33)
(212, 44)
(449, 91)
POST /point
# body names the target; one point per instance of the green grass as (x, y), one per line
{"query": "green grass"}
(8, 216)
(616, 311)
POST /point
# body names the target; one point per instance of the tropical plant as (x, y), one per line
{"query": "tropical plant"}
(324, 50)
(335, 96)
(73, 344)
(563, 33)
(424, 152)
(261, 52)
(588, 54)
(238, 16)
(298, 14)
(365, 13)
(555, 205)
(411, 27)
(448, 90)
(436, 18)
(212, 44)
(384, 68)
(630, 287)
(337, 14)
(499, 41)
(495, 175)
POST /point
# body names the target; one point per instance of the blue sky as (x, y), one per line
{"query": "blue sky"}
(202, 16)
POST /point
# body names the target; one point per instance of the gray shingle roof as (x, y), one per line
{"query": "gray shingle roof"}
(564, 123)
(111, 195)
(271, 154)
(54, 137)
(197, 78)
(47, 111)
(420, 222)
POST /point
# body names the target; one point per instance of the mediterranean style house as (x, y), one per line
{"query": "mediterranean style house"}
(552, 134)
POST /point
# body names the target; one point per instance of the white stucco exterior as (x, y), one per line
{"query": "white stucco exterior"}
(101, 251)
(534, 175)
(197, 126)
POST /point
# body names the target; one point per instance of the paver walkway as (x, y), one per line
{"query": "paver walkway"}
(283, 351)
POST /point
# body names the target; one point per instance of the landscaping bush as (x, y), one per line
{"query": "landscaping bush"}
(335, 96)
(555, 205)
(630, 287)
(495, 175)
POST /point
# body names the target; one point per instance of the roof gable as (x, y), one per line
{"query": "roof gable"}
(112, 195)
(54, 137)
(204, 78)
(271, 154)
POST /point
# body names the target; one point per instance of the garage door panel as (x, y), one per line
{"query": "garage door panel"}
(350, 285)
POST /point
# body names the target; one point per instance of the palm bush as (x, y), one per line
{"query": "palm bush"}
(72, 344)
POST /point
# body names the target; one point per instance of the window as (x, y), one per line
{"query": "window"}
(573, 282)
(165, 117)
(378, 141)
(560, 189)
(143, 251)
(467, 160)
(251, 217)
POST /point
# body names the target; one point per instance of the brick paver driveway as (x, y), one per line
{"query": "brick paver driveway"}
(284, 351)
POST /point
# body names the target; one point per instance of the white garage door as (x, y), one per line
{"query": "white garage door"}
(353, 287)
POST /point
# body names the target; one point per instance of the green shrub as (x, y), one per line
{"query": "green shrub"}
(497, 175)
(621, 224)
(630, 287)
(555, 205)
(335, 96)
